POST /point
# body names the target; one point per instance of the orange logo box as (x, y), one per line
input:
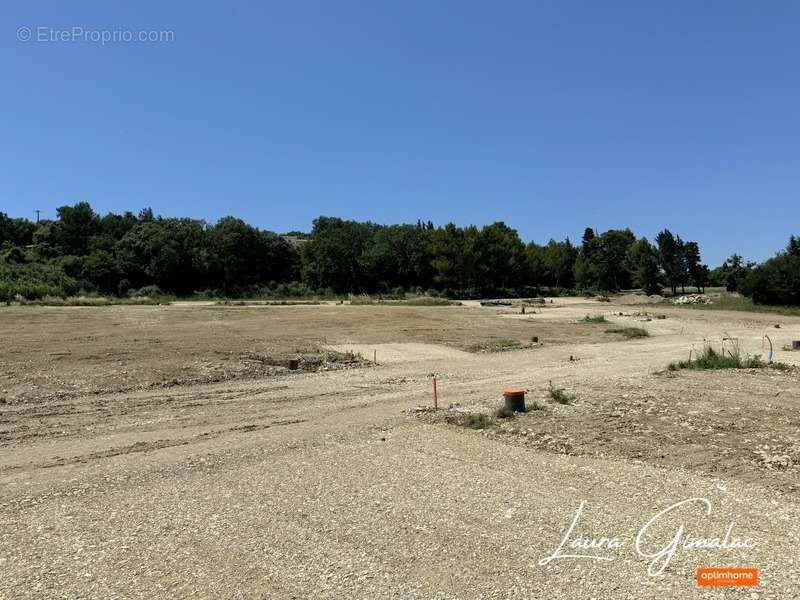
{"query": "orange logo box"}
(727, 576)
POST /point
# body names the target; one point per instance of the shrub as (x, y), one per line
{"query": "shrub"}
(34, 281)
(148, 291)
(123, 287)
(428, 301)
(630, 333)
(503, 412)
(710, 359)
(733, 301)
(777, 281)
(594, 319)
(294, 289)
(83, 301)
(477, 421)
(559, 395)
(500, 345)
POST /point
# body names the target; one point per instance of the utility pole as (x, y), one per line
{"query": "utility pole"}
(37, 215)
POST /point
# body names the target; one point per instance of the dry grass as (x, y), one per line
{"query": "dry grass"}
(710, 359)
(740, 303)
(501, 345)
(560, 395)
(595, 319)
(630, 333)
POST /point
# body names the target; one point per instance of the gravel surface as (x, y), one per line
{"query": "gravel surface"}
(328, 484)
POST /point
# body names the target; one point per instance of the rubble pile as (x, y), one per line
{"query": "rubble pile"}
(692, 299)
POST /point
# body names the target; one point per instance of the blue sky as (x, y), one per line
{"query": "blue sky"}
(551, 116)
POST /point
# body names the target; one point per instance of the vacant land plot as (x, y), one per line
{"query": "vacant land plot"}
(56, 352)
(167, 452)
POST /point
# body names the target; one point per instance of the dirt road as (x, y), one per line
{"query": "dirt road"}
(328, 484)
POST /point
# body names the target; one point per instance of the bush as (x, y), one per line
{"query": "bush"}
(559, 395)
(148, 291)
(13, 255)
(710, 359)
(775, 282)
(594, 319)
(34, 281)
(426, 301)
(388, 300)
(500, 345)
(477, 421)
(630, 333)
(123, 288)
(84, 301)
(294, 289)
(734, 301)
(503, 412)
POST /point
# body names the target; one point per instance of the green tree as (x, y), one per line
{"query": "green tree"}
(33, 281)
(455, 257)
(601, 262)
(643, 261)
(15, 232)
(399, 255)
(587, 240)
(793, 248)
(585, 272)
(240, 256)
(536, 267)
(776, 281)
(75, 227)
(116, 226)
(333, 258)
(614, 247)
(501, 258)
(670, 258)
(170, 253)
(100, 268)
(698, 273)
(559, 261)
(731, 273)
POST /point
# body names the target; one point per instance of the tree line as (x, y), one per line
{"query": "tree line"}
(143, 254)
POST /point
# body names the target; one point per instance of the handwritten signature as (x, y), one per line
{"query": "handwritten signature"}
(577, 547)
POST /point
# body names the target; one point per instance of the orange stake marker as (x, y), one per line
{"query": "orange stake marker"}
(435, 395)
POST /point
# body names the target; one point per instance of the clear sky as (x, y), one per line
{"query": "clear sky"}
(549, 115)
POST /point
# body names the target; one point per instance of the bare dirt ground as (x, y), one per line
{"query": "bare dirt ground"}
(55, 352)
(166, 452)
